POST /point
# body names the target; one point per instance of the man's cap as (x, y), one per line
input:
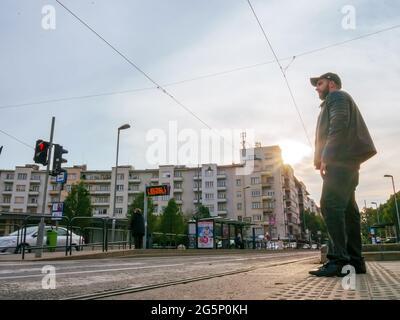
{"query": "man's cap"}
(330, 76)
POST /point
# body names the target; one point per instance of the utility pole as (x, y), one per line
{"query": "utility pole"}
(39, 240)
(145, 218)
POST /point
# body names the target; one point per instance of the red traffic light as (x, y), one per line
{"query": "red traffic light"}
(42, 146)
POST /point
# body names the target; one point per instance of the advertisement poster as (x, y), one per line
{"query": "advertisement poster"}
(205, 236)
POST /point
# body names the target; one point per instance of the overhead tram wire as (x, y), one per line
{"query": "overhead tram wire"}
(211, 75)
(16, 139)
(160, 87)
(283, 72)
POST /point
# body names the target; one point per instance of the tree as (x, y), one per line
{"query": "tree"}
(78, 204)
(202, 212)
(314, 223)
(171, 220)
(138, 202)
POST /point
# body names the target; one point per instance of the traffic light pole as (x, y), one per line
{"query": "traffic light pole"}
(145, 218)
(39, 240)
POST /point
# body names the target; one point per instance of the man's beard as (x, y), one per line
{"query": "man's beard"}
(323, 94)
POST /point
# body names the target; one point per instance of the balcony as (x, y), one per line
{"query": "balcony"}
(154, 179)
(9, 178)
(131, 191)
(178, 178)
(33, 193)
(99, 191)
(178, 201)
(268, 210)
(35, 180)
(221, 200)
(222, 212)
(195, 189)
(266, 197)
(32, 204)
(178, 190)
(7, 191)
(221, 175)
(52, 191)
(101, 203)
(197, 177)
(134, 179)
(195, 201)
(221, 188)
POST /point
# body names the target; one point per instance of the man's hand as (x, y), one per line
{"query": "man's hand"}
(322, 169)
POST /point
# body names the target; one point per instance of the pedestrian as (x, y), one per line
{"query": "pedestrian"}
(137, 228)
(342, 143)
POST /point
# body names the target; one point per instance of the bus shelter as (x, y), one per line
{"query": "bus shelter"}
(215, 232)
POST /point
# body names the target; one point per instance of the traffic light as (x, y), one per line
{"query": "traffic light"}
(41, 151)
(58, 159)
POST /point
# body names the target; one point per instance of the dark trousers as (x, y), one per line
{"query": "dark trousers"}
(341, 214)
(138, 240)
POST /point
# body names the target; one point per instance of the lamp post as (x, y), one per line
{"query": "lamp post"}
(377, 214)
(123, 127)
(397, 208)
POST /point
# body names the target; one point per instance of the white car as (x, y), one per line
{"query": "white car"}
(9, 243)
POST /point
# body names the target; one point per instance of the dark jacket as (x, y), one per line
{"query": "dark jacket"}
(137, 224)
(342, 136)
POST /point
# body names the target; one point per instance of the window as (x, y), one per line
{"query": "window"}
(6, 199)
(221, 206)
(209, 184)
(255, 205)
(101, 200)
(238, 194)
(255, 193)
(119, 199)
(255, 180)
(178, 174)
(240, 218)
(209, 172)
(72, 176)
(257, 217)
(33, 200)
(154, 176)
(20, 187)
(268, 193)
(37, 177)
(10, 176)
(120, 176)
(221, 195)
(134, 187)
(120, 187)
(8, 187)
(238, 182)
(197, 184)
(178, 196)
(22, 176)
(54, 199)
(239, 206)
(19, 200)
(178, 185)
(100, 211)
(209, 196)
(221, 183)
(268, 205)
(34, 188)
(165, 198)
(118, 210)
(210, 208)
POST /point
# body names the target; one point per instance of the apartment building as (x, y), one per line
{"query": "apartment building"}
(261, 190)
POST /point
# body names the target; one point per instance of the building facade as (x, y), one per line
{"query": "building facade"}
(261, 190)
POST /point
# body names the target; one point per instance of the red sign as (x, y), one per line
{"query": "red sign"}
(153, 191)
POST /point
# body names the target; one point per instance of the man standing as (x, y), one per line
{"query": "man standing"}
(137, 228)
(342, 143)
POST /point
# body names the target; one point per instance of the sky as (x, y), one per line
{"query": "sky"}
(177, 40)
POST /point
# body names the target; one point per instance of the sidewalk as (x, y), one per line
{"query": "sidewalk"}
(286, 282)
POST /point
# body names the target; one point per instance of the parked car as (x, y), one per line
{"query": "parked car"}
(10, 243)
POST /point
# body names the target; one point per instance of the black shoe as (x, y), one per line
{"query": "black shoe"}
(329, 269)
(359, 265)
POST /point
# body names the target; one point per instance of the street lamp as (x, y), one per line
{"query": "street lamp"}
(123, 127)
(377, 210)
(397, 208)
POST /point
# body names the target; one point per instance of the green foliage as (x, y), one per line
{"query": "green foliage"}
(78, 204)
(202, 212)
(172, 220)
(314, 223)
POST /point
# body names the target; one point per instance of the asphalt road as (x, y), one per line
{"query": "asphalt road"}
(35, 280)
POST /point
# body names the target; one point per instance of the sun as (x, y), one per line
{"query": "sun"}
(293, 151)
